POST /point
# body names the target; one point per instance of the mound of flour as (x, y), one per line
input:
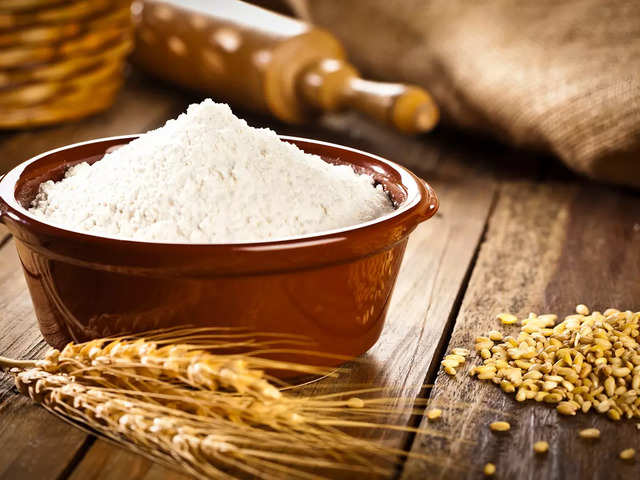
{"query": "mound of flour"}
(207, 177)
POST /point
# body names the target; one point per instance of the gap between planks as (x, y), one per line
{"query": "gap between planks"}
(448, 330)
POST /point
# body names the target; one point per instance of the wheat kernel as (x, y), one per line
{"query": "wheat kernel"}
(613, 415)
(489, 469)
(450, 363)
(541, 447)
(495, 335)
(500, 426)
(552, 398)
(355, 402)
(460, 351)
(620, 371)
(540, 396)
(434, 414)
(456, 358)
(590, 433)
(507, 319)
(532, 375)
(610, 386)
(628, 454)
(507, 387)
(566, 408)
(450, 371)
(582, 309)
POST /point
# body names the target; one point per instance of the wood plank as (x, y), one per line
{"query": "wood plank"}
(434, 268)
(19, 334)
(27, 432)
(107, 462)
(33, 443)
(549, 247)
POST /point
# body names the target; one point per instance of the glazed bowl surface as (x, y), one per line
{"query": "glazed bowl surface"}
(333, 287)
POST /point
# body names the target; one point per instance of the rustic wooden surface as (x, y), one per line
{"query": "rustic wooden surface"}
(550, 245)
(512, 234)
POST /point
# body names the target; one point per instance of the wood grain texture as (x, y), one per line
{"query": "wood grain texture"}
(106, 461)
(19, 334)
(549, 247)
(33, 444)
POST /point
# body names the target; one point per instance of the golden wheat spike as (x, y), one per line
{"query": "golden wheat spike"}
(189, 364)
(211, 413)
(200, 445)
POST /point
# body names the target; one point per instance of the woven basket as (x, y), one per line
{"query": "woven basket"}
(60, 59)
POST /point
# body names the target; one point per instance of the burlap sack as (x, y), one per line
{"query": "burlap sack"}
(563, 76)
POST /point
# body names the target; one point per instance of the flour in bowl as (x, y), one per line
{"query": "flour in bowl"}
(207, 177)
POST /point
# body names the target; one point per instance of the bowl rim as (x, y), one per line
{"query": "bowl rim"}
(421, 201)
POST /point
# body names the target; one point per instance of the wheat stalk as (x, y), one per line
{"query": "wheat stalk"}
(187, 363)
(206, 411)
(202, 445)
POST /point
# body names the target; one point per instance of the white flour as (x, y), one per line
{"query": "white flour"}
(207, 177)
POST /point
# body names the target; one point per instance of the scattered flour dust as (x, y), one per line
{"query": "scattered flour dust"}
(207, 177)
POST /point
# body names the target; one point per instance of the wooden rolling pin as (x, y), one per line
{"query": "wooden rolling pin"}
(265, 61)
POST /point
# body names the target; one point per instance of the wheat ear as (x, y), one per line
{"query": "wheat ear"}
(209, 412)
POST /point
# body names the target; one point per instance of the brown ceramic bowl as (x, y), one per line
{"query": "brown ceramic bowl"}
(333, 287)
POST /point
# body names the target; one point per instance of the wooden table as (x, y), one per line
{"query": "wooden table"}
(516, 232)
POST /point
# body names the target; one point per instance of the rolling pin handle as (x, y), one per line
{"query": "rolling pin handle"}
(333, 85)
